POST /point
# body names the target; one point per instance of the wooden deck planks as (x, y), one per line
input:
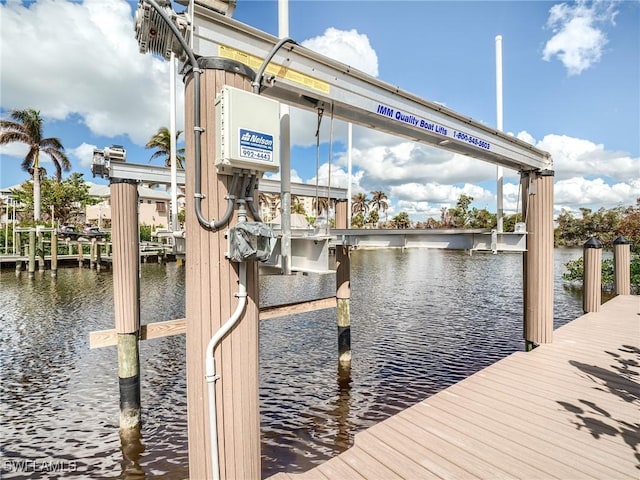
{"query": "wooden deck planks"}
(337, 468)
(570, 409)
(560, 434)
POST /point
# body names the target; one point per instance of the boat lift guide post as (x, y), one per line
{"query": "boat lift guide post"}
(302, 78)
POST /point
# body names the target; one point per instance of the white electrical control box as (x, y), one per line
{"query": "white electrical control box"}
(247, 132)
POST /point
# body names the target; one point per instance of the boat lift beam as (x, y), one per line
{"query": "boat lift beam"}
(308, 80)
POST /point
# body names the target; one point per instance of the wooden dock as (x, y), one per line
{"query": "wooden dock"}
(566, 410)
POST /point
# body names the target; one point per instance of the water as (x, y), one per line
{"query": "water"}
(421, 320)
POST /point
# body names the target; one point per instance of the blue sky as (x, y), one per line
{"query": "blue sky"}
(571, 75)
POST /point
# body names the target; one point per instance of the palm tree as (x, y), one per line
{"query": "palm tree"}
(380, 201)
(320, 204)
(161, 141)
(27, 128)
(359, 203)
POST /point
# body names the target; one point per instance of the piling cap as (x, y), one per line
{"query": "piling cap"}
(621, 241)
(593, 242)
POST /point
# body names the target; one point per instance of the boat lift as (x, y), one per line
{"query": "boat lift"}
(305, 79)
(285, 71)
(302, 78)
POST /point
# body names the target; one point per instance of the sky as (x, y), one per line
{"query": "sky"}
(571, 87)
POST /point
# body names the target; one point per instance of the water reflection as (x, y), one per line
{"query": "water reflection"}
(421, 320)
(132, 450)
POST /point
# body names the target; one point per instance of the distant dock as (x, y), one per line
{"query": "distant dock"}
(568, 409)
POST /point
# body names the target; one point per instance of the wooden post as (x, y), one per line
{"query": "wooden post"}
(537, 201)
(98, 256)
(17, 248)
(32, 252)
(126, 297)
(343, 299)
(622, 266)
(592, 276)
(54, 254)
(92, 254)
(40, 249)
(211, 284)
(80, 253)
(341, 214)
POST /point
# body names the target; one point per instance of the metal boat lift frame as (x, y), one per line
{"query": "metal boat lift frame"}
(299, 77)
(302, 78)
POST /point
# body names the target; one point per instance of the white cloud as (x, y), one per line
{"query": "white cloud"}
(295, 178)
(83, 153)
(440, 194)
(14, 150)
(407, 162)
(82, 58)
(578, 157)
(346, 46)
(578, 192)
(577, 41)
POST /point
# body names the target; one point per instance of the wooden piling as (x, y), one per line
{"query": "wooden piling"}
(126, 297)
(32, 252)
(92, 254)
(98, 256)
(54, 254)
(341, 214)
(17, 241)
(343, 299)
(622, 266)
(592, 276)
(80, 254)
(40, 250)
(211, 285)
(537, 201)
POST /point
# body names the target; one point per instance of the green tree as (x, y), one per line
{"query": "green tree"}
(319, 205)
(459, 216)
(402, 220)
(298, 207)
(629, 227)
(604, 224)
(357, 221)
(68, 198)
(373, 217)
(161, 141)
(359, 204)
(379, 201)
(509, 222)
(482, 219)
(26, 127)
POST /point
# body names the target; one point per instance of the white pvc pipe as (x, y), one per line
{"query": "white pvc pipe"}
(285, 155)
(172, 143)
(210, 367)
(349, 168)
(499, 169)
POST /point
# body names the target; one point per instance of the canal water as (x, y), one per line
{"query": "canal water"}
(421, 321)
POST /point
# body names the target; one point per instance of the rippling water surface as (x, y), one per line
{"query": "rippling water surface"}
(420, 321)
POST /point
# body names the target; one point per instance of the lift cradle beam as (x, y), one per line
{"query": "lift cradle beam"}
(305, 79)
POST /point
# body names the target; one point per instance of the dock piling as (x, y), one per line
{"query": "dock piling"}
(211, 286)
(343, 290)
(537, 201)
(343, 299)
(54, 254)
(592, 276)
(126, 298)
(40, 249)
(622, 266)
(32, 253)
